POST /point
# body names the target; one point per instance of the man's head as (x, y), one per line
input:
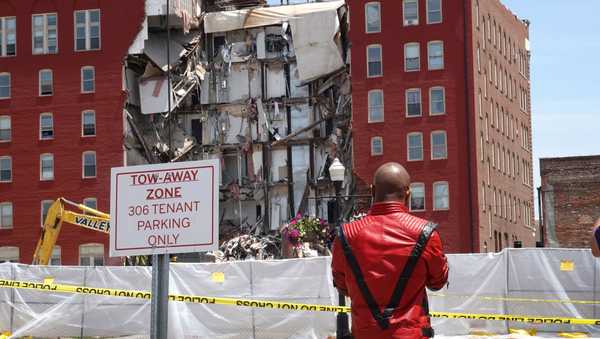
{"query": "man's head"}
(391, 183)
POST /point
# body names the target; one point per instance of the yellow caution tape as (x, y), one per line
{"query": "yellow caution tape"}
(530, 300)
(279, 305)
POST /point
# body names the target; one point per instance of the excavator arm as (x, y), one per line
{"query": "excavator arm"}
(57, 214)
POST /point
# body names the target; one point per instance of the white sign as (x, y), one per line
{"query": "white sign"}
(164, 208)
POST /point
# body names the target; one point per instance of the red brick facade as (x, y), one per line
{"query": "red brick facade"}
(119, 24)
(570, 200)
(469, 222)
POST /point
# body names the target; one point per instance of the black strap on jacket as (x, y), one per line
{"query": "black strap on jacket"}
(383, 318)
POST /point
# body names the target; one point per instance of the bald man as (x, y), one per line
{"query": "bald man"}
(596, 239)
(385, 261)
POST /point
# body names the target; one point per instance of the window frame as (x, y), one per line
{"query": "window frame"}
(405, 22)
(40, 134)
(445, 133)
(42, 167)
(3, 157)
(431, 89)
(371, 3)
(406, 46)
(427, 12)
(87, 26)
(9, 85)
(40, 93)
(83, 176)
(83, 135)
(42, 218)
(55, 250)
(90, 245)
(8, 248)
(429, 45)
(406, 103)
(437, 183)
(369, 106)
(9, 119)
(45, 29)
(12, 215)
(4, 36)
(410, 204)
(379, 46)
(90, 199)
(83, 69)
(373, 140)
(408, 146)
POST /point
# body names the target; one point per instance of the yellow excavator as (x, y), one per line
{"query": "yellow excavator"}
(57, 214)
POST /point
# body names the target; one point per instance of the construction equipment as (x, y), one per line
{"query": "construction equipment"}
(57, 214)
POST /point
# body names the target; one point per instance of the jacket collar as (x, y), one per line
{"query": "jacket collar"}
(388, 207)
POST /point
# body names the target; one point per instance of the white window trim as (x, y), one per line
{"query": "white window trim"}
(373, 139)
(406, 103)
(446, 144)
(408, 146)
(443, 96)
(4, 37)
(9, 85)
(82, 124)
(428, 55)
(40, 125)
(404, 21)
(10, 125)
(91, 245)
(45, 43)
(12, 211)
(56, 249)
(14, 248)
(40, 82)
(441, 13)
(82, 79)
(89, 199)
(424, 197)
(380, 58)
(378, 4)
(11, 168)
(369, 106)
(406, 45)
(41, 176)
(87, 30)
(83, 165)
(448, 186)
(42, 210)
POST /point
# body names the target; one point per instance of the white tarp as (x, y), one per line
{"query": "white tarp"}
(549, 274)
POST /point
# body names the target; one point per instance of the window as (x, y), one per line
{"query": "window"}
(91, 203)
(374, 64)
(441, 196)
(89, 164)
(415, 146)
(5, 169)
(44, 34)
(5, 129)
(45, 83)
(44, 208)
(412, 59)
(9, 254)
(376, 146)
(434, 11)
(46, 166)
(373, 17)
(55, 260)
(87, 30)
(413, 102)
(8, 36)
(376, 105)
(88, 123)
(88, 79)
(435, 52)
(417, 196)
(437, 101)
(439, 147)
(410, 9)
(46, 126)
(91, 255)
(478, 56)
(4, 85)
(6, 215)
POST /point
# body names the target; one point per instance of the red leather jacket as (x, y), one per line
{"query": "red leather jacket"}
(381, 242)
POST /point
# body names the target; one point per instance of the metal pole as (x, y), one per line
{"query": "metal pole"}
(343, 329)
(160, 296)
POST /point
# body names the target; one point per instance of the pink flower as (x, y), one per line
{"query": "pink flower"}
(298, 216)
(322, 222)
(293, 222)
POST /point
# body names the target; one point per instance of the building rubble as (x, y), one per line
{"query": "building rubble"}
(264, 89)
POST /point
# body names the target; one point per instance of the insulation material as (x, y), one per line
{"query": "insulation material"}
(276, 84)
(154, 95)
(257, 158)
(301, 118)
(156, 49)
(243, 82)
(300, 166)
(279, 165)
(279, 119)
(297, 91)
(279, 207)
(267, 16)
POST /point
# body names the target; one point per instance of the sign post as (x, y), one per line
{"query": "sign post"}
(162, 209)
